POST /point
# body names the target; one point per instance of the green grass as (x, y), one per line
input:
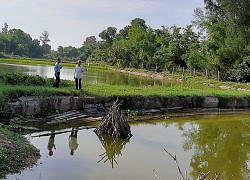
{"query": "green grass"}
(119, 90)
(28, 61)
(13, 86)
(15, 152)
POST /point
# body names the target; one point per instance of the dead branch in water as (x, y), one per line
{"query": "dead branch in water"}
(176, 162)
(114, 124)
(201, 176)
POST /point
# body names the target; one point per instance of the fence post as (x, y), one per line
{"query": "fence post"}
(218, 75)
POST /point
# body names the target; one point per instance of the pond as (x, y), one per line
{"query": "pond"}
(216, 143)
(90, 76)
(95, 76)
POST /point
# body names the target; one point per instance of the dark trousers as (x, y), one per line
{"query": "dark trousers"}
(56, 84)
(78, 83)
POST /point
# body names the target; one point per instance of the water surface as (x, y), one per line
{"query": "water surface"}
(96, 76)
(90, 76)
(216, 143)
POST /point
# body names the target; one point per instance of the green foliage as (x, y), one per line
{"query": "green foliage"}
(132, 114)
(14, 85)
(31, 80)
(17, 42)
(243, 71)
(227, 25)
(22, 79)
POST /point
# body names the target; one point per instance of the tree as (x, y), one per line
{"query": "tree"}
(138, 22)
(44, 38)
(244, 70)
(71, 52)
(35, 48)
(19, 42)
(108, 35)
(60, 51)
(89, 45)
(228, 30)
(5, 28)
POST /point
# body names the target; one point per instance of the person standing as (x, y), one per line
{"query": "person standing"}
(78, 74)
(57, 69)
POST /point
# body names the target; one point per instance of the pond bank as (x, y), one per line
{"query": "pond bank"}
(42, 106)
(16, 153)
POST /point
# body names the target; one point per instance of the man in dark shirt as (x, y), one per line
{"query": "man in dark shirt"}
(57, 69)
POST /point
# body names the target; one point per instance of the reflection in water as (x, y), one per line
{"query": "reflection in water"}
(113, 147)
(216, 143)
(220, 147)
(73, 141)
(51, 143)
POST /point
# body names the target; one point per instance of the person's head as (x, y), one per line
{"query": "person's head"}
(79, 62)
(58, 60)
(50, 153)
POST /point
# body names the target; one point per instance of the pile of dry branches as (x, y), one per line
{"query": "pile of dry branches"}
(114, 124)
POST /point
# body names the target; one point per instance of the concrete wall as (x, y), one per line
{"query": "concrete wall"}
(37, 106)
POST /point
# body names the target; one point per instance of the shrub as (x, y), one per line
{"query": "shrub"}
(243, 71)
(31, 80)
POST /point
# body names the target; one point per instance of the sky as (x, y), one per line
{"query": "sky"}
(70, 22)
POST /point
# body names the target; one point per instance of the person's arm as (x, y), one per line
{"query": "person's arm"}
(55, 68)
(75, 73)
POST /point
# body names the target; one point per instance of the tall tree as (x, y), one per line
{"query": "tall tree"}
(44, 38)
(5, 28)
(108, 35)
(227, 25)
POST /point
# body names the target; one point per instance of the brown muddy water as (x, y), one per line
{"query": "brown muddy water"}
(215, 142)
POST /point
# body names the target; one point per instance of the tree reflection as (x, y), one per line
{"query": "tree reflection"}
(220, 146)
(113, 147)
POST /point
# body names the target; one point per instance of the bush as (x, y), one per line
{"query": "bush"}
(31, 80)
(243, 72)
(22, 79)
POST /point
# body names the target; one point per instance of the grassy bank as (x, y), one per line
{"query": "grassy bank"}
(15, 152)
(28, 61)
(8, 92)
(14, 86)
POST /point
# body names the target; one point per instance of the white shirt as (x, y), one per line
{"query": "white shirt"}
(78, 72)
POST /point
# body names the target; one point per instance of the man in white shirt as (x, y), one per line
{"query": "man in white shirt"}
(78, 74)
